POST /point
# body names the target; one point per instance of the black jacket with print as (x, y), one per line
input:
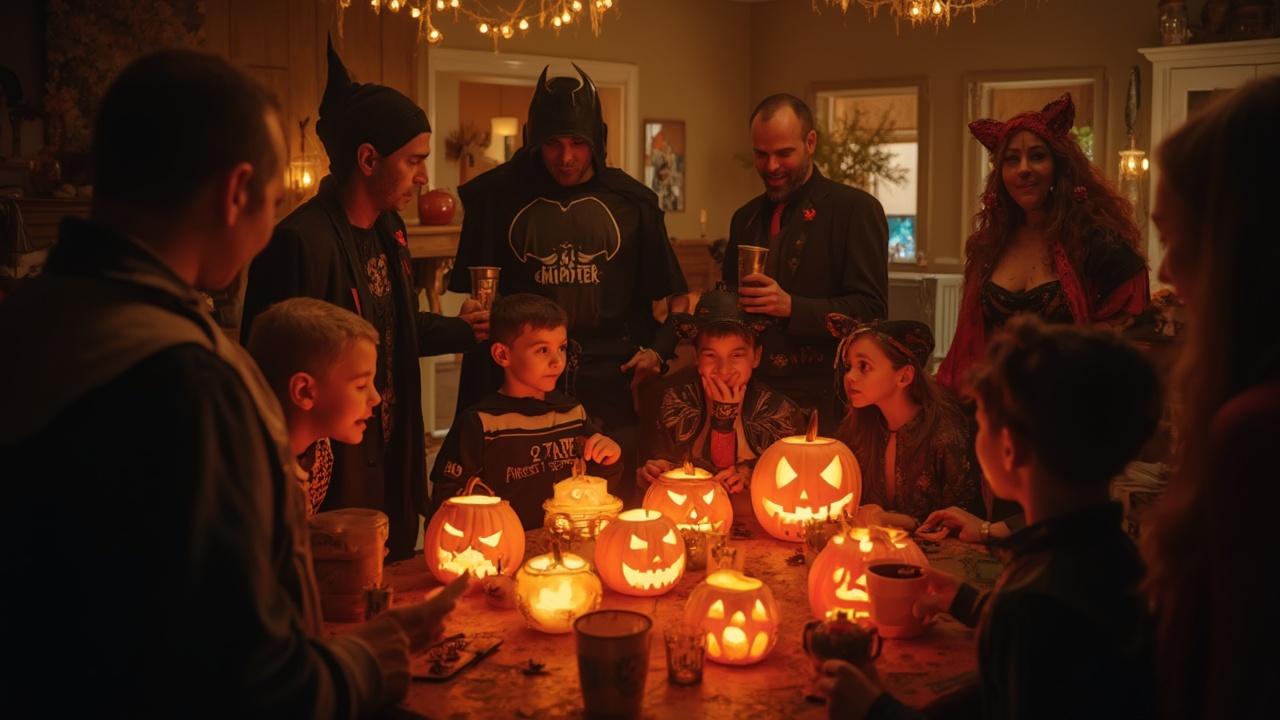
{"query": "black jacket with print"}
(519, 447)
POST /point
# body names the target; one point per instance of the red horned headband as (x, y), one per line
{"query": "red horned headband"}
(1051, 123)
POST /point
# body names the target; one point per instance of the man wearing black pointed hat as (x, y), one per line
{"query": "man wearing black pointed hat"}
(347, 245)
(828, 252)
(562, 224)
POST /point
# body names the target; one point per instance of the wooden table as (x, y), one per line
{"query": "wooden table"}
(917, 671)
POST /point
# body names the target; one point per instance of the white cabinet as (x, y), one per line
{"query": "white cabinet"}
(1185, 77)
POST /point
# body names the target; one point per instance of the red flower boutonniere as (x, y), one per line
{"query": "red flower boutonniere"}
(809, 214)
(400, 239)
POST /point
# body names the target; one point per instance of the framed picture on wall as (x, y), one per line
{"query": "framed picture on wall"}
(664, 162)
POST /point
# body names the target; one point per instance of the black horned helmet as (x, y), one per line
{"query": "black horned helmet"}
(567, 105)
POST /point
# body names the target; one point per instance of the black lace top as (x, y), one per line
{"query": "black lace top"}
(1048, 301)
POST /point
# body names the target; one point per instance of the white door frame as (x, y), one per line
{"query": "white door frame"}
(524, 69)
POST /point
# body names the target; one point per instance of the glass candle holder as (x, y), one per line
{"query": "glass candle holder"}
(686, 650)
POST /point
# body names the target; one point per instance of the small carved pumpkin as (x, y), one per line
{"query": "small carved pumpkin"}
(691, 499)
(552, 590)
(476, 534)
(804, 477)
(838, 576)
(641, 553)
(738, 614)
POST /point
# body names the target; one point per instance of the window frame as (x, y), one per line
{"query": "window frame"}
(924, 181)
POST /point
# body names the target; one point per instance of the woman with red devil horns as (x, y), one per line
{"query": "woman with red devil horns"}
(1053, 238)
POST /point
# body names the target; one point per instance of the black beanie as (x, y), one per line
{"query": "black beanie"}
(354, 113)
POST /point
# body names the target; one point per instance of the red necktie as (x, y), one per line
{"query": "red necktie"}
(775, 224)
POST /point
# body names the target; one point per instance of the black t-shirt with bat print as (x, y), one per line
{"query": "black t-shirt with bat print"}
(599, 249)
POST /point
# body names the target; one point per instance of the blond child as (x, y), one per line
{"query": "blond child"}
(320, 360)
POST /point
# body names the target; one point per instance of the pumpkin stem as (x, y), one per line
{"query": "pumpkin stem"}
(474, 483)
(555, 553)
(688, 467)
(812, 435)
(579, 467)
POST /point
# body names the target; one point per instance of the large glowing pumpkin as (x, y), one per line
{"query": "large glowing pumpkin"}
(554, 589)
(738, 614)
(804, 477)
(476, 534)
(640, 553)
(838, 576)
(691, 499)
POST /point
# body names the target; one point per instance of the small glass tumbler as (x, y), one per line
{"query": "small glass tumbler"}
(686, 650)
(720, 554)
(695, 548)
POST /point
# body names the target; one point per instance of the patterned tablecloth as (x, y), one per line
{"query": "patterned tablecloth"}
(917, 670)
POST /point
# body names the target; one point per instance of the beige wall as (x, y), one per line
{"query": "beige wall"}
(694, 64)
(793, 48)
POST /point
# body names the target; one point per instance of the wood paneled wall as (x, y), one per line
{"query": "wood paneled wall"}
(282, 43)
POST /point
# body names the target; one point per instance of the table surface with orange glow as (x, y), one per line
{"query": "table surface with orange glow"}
(917, 670)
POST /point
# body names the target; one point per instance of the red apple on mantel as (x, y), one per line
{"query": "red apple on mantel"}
(436, 207)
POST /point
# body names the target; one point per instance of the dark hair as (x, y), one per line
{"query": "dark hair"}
(769, 106)
(713, 330)
(1085, 400)
(172, 121)
(512, 314)
(1081, 226)
(863, 429)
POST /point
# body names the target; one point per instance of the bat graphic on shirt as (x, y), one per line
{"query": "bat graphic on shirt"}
(574, 234)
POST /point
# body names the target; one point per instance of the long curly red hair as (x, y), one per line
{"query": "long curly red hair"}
(1080, 225)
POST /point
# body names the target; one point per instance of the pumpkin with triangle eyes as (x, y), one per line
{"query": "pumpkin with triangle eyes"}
(476, 534)
(738, 614)
(804, 477)
(838, 576)
(691, 498)
(640, 553)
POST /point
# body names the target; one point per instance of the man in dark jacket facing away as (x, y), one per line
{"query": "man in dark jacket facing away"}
(348, 246)
(157, 502)
(828, 253)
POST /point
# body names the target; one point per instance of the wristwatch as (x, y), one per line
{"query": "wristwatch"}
(984, 532)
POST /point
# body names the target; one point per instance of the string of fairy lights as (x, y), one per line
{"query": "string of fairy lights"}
(918, 12)
(493, 20)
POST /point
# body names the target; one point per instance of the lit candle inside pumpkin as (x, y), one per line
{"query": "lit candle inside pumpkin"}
(552, 590)
(838, 576)
(691, 498)
(739, 614)
(801, 478)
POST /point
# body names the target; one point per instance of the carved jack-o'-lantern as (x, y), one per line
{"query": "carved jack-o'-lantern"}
(804, 477)
(476, 534)
(738, 614)
(552, 590)
(640, 553)
(838, 576)
(691, 499)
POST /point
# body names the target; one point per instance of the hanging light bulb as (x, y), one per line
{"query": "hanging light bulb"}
(577, 6)
(556, 21)
(453, 4)
(394, 5)
(484, 28)
(440, 5)
(524, 24)
(415, 13)
(566, 17)
(937, 7)
(507, 32)
(608, 4)
(434, 36)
